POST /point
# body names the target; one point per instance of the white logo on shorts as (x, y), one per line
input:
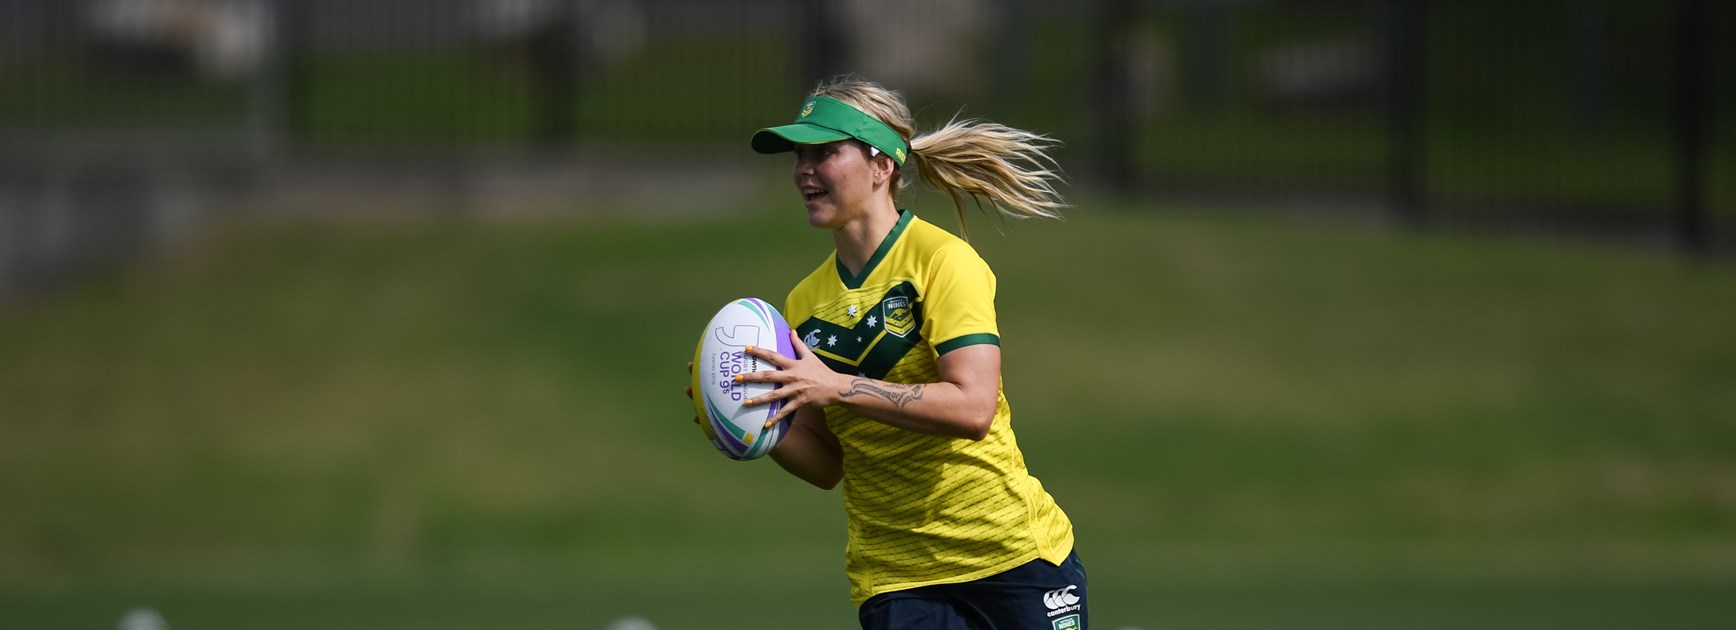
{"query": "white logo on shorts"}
(1061, 600)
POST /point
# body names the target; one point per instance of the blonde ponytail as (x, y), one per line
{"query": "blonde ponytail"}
(1008, 168)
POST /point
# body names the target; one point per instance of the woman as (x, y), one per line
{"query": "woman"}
(895, 385)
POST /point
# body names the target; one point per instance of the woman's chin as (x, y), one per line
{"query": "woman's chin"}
(821, 216)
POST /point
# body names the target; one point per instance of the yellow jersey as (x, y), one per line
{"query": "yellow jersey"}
(922, 509)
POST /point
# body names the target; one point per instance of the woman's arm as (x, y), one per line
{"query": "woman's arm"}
(961, 405)
(810, 451)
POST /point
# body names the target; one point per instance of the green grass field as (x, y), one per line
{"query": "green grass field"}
(1253, 423)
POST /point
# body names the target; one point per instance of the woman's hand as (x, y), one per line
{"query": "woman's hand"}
(689, 387)
(805, 380)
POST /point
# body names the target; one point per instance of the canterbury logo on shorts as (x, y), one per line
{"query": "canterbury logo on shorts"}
(1061, 600)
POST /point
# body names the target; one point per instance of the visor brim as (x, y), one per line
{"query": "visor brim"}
(785, 138)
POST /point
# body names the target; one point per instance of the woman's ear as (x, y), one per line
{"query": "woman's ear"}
(883, 167)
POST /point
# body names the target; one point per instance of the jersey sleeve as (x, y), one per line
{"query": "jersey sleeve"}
(959, 300)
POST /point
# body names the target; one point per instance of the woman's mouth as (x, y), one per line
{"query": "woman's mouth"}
(813, 194)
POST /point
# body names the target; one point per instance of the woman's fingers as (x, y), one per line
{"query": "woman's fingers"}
(781, 361)
(789, 374)
(776, 394)
(689, 389)
(764, 376)
(780, 415)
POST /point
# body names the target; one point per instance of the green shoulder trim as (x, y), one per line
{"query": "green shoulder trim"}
(966, 340)
(879, 253)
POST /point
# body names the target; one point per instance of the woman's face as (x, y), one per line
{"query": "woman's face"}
(836, 181)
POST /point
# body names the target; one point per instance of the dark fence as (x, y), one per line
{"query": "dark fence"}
(1603, 115)
(1600, 115)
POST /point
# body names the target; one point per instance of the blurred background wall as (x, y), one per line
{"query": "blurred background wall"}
(125, 123)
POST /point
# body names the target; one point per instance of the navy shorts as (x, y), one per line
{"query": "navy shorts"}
(1032, 595)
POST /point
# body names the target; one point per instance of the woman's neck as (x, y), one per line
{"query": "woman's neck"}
(857, 240)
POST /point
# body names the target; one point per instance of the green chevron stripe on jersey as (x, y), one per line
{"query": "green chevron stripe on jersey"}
(868, 349)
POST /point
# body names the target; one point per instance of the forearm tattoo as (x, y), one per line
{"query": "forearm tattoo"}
(898, 395)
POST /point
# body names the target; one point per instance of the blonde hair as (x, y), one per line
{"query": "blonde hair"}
(1006, 167)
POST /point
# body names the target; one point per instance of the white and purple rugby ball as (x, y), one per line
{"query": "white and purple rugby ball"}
(737, 431)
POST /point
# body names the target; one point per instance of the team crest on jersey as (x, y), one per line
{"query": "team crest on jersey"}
(895, 311)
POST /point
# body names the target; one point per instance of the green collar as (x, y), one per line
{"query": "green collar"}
(904, 217)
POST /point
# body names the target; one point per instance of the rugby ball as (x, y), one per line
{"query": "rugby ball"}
(739, 431)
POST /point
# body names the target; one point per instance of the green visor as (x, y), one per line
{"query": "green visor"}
(824, 119)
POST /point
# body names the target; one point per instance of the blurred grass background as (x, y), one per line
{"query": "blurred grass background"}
(461, 424)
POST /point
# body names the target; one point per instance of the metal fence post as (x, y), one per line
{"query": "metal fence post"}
(1210, 54)
(1589, 23)
(295, 63)
(819, 41)
(1690, 123)
(1112, 116)
(554, 78)
(265, 115)
(1012, 64)
(1406, 30)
